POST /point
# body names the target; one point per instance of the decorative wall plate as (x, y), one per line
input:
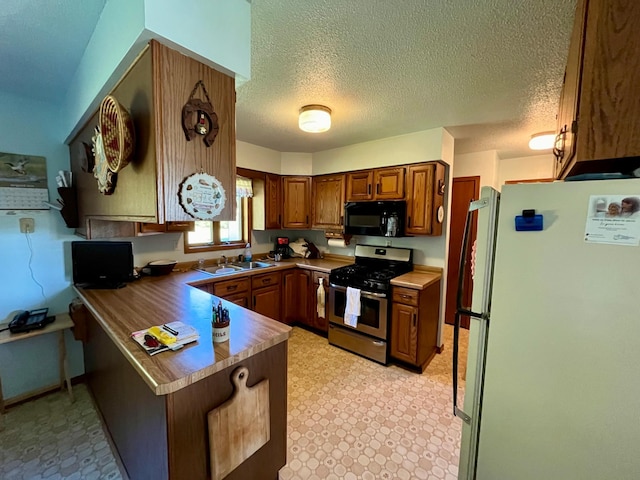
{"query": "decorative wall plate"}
(106, 178)
(202, 196)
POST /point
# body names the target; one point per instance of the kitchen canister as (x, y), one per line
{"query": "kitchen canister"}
(220, 332)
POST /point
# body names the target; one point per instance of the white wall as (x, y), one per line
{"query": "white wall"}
(296, 163)
(415, 147)
(526, 168)
(32, 364)
(484, 164)
(257, 158)
(217, 33)
(494, 171)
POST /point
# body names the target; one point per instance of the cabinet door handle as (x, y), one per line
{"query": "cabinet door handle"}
(254, 301)
(369, 189)
(414, 319)
(307, 218)
(279, 219)
(408, 221)
(341, 219)
(377, 188)
(402, 295)
(231, 288)
(266, 280)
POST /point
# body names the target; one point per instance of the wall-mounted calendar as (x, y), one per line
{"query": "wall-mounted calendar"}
(23, 182)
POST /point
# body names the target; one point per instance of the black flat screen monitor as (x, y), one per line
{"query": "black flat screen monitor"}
(102, 264)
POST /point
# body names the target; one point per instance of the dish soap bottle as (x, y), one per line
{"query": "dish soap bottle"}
(247, 253)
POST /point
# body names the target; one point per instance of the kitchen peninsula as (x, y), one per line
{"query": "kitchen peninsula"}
(155, 408)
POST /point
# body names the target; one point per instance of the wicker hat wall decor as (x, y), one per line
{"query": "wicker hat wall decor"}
(206, 120)
(113, 143)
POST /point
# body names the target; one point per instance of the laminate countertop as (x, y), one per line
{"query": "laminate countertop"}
(162, 299)
(417, 280)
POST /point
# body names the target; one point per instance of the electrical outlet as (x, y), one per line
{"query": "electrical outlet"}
(27, 225)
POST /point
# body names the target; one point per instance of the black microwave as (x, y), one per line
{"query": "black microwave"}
(380, 219)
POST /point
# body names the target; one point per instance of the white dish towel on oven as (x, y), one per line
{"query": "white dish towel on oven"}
(352, 309)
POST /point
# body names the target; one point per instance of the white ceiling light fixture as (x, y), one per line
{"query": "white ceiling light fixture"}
(314, 118)
(542, 141)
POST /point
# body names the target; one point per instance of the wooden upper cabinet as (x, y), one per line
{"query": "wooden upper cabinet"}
(389, 184)
(297, 202)
(425, 198)
(273, 201)
(600, 98)
(328, 202)
(568, 108)
(359, 186)
(378, 184)
(175, 78)
(154, 90)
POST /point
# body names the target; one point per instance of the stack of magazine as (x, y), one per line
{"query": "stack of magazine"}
(169, 336)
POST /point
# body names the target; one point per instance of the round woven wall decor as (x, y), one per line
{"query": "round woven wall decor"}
(116, 127)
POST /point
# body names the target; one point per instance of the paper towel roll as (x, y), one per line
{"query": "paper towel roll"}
(337, 242)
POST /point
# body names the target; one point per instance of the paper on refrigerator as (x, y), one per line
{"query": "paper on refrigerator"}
(613, 219)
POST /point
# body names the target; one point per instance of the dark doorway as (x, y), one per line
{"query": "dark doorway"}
(465, 189)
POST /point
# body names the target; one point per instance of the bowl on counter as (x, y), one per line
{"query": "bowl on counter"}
(159, 267)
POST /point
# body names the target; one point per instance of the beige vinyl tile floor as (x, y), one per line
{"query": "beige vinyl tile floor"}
(348, 418)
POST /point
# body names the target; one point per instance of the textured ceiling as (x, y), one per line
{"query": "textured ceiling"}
(489, 71)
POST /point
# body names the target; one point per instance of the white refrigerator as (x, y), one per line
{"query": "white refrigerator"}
(553, 375)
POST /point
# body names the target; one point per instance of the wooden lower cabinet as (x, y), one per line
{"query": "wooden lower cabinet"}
(289, 297)
(414, 324)
(165, 436)
(231, 287)
(318, 322)
(241, 299)
(404, 332)
(295, 294)
(236, 291)
(266, 295)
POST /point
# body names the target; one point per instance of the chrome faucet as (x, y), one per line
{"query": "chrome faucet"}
(223, 260)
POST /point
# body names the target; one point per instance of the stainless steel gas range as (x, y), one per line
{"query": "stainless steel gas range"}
(371, 274)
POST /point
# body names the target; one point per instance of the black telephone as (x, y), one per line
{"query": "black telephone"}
(30, 320)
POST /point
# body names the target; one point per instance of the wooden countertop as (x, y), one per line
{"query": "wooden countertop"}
(156, 300)
(417, 279)
(324, 265)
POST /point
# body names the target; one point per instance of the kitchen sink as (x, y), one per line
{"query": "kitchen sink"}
(234, 267)
(251, 265)
(222, 269)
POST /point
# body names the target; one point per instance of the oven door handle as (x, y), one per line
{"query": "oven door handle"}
(362, 292)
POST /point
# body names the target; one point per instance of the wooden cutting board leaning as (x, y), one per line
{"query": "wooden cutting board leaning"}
(240, 426)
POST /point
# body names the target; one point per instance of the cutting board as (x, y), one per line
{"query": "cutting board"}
(240, 426)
